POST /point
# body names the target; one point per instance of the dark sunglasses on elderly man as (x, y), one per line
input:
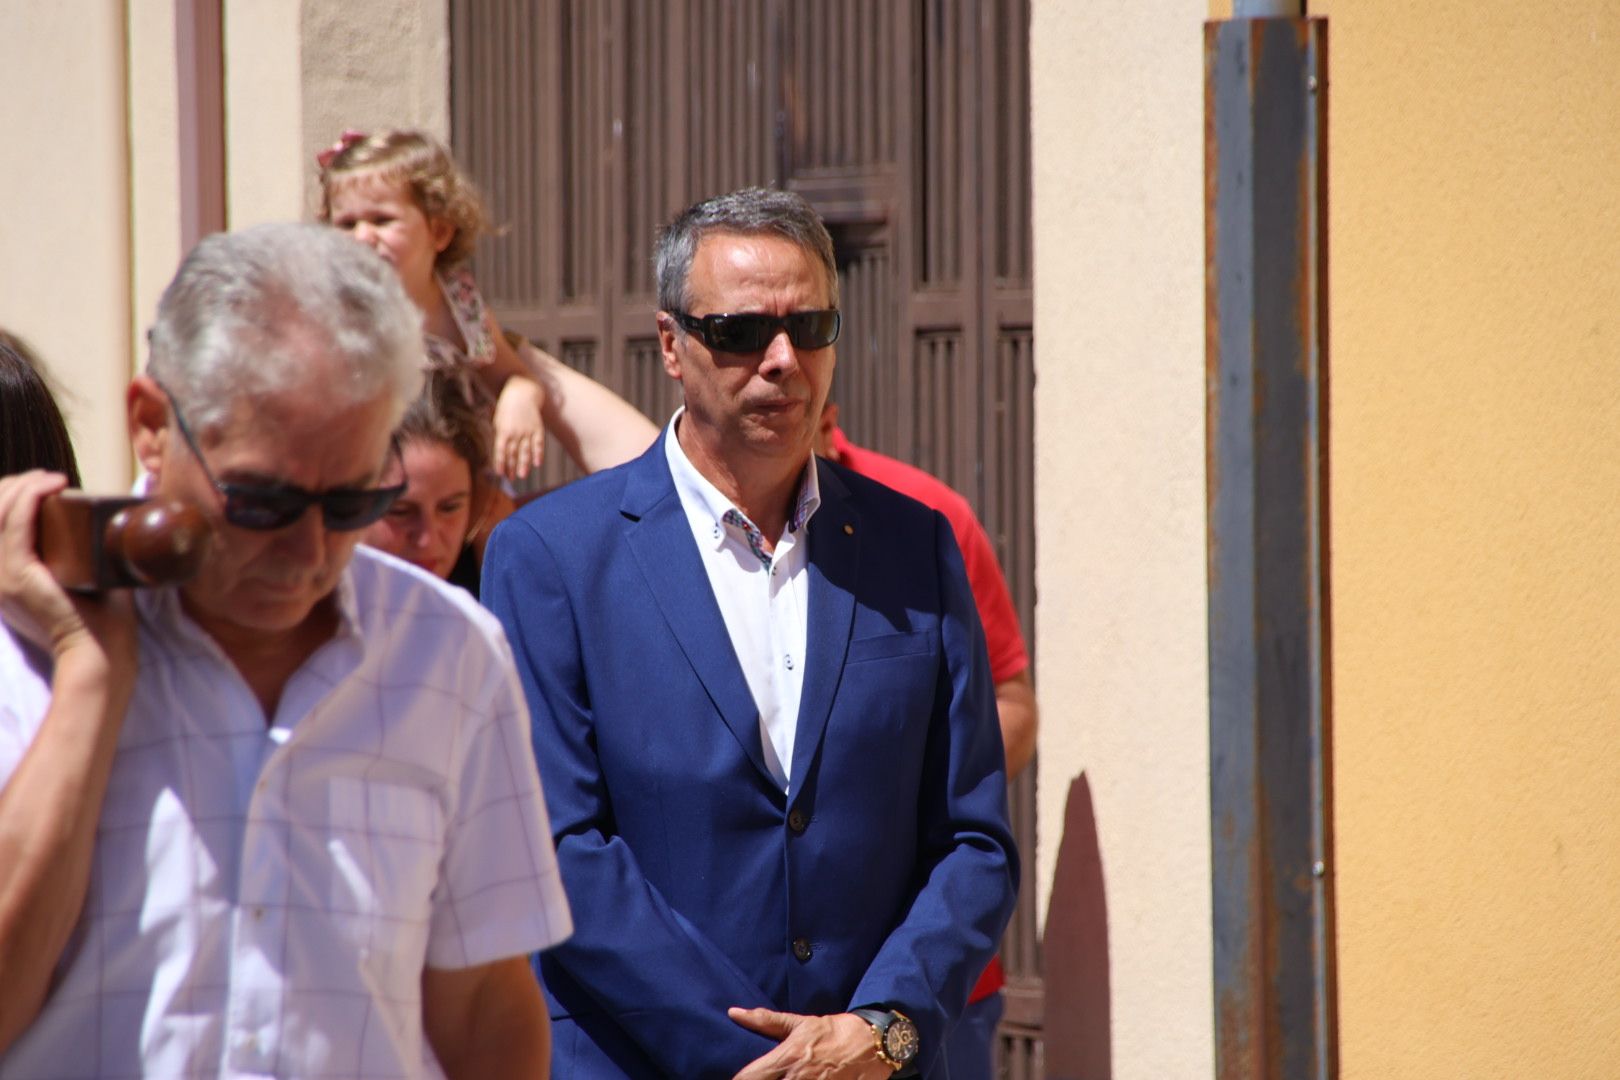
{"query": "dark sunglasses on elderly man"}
(753, 331)
(266, 507)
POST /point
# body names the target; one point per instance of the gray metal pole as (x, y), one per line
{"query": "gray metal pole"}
(1268, 9)
(1268, 656)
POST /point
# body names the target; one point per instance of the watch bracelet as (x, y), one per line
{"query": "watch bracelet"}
(873, 1015)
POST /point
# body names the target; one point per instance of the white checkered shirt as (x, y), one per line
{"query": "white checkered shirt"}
(264, 898)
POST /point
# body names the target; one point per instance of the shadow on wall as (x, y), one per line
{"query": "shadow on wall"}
(1075, 950)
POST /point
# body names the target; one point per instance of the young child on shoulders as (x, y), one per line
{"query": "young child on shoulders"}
(401, 193)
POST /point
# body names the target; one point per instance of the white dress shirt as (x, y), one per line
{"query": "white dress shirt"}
(265, 895)
(764, 598)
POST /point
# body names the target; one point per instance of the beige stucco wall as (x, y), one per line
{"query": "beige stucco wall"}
(299, 73)
(370, 65)
(1119, 331)
(1475, 460)
(64, 233)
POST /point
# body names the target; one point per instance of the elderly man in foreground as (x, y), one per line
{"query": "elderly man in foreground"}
(762, 708)
(281, 820)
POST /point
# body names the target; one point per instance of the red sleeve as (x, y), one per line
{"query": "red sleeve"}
(1003, 640)
(1002, 636)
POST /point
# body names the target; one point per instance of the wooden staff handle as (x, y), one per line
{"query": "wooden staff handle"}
(91, 543)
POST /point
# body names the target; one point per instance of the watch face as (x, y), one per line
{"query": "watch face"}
(900, 1041)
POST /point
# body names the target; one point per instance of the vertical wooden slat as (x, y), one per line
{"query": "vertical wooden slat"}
(737, 99)
(676, 149)
(766, 65)
(586, 162)
(872, 148)
(725, 97)
(598, 176)
(847, 91)
(731, 102)
(500, 181)
(942, 167)
(692, 89)
(815, 120)
(740, 152)
(520, 242)
(503, 286)
(576, 238)
(927, 190)
(759, 95)
(613, 153)
(973, 217)
(905, 106)
(714, 119)
(707, 121)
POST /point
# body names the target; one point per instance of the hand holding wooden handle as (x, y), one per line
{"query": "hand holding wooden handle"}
(91, 543)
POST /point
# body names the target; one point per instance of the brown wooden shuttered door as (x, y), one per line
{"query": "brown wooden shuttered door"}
(906, 123)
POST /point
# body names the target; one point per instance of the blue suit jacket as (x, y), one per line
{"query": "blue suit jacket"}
(690, 874)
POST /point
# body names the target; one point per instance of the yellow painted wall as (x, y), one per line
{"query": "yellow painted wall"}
(1475, 496)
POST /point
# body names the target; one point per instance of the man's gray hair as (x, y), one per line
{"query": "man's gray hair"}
(245, 311)
(751, 211)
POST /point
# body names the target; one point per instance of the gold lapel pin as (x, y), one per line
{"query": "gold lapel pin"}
(849, 530)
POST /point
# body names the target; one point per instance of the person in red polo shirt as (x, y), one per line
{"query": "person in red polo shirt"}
(969, 1045)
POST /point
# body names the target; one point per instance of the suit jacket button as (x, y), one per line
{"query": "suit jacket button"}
(801, 948)
(798, 821)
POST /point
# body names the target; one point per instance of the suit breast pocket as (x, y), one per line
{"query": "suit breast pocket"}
(889, 684)
(889, 646)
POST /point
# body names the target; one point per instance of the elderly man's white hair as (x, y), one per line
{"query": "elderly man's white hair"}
(240, 318)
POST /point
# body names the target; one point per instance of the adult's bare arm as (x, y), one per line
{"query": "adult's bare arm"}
(1016, 708)
(51, 803)
(487, 1021)
(596, 427)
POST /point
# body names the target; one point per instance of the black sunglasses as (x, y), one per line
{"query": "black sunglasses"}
(752, 332)
(266, 507)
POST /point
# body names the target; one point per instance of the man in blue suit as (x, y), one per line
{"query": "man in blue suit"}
(762, 708)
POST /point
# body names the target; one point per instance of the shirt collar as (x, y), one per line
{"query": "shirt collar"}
(705, 505)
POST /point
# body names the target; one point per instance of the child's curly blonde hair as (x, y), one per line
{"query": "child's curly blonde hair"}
(436, 184)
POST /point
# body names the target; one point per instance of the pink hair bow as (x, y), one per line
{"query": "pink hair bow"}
(349, 137)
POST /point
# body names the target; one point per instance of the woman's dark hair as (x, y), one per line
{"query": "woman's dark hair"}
(443, 413)
(33, 434)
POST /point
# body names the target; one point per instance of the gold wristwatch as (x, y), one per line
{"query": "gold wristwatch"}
(895, 1035)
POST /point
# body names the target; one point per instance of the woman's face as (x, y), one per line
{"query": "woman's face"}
(428, 524)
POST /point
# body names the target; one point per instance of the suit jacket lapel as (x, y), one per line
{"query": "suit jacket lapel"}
(661, 538)
(835, 545)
